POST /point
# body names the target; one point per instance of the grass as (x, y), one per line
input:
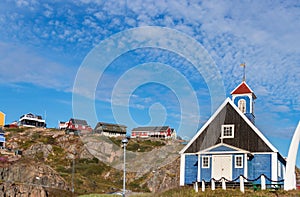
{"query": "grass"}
(140, 145)
(189, 192)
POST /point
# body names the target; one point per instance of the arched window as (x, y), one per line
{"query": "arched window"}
(242, 105)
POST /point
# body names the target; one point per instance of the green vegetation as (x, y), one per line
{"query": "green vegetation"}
(189, 191)
(14, 131)
(140, 145)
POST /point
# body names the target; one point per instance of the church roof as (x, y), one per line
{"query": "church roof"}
(243, 88)
(246, 136)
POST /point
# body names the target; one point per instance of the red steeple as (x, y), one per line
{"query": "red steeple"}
(243, 88)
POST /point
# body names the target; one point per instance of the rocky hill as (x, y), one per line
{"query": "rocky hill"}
(53, 162)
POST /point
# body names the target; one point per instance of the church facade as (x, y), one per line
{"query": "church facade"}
(229, 145)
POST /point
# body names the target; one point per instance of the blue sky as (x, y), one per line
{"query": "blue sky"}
(47, 46)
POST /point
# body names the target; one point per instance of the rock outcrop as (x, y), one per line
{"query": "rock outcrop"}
(28, 178)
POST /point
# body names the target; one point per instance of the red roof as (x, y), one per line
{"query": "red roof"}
(243, 88)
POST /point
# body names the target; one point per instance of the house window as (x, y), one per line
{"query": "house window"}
(238, 161)
(228, 131)
(205, 161)
(242, 105)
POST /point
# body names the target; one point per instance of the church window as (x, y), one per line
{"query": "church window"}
(242, 105)
(228, 131)
(238, 161)
(205, 162)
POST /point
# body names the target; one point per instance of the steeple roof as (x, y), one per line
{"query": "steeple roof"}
(243, 88)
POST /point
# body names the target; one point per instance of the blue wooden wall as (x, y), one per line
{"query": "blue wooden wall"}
(205, 173)
(191, 168)
(260, 164)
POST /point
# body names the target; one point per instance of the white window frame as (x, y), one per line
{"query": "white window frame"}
(242, 105)
(235, 161)
(228, 126)
(208, 161)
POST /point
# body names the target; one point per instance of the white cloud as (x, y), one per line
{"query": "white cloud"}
(19, 64)
(264, 34)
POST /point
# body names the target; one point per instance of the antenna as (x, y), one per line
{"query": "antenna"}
(45, 115)
(244, 70)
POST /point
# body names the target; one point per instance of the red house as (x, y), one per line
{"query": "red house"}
(153, 132)
(77, 126)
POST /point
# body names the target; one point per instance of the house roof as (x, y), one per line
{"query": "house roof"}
(109, 127)
(109, 124)
(154, 128)
(243, 88)
(222, 145)
(247, 136)
(78, 121)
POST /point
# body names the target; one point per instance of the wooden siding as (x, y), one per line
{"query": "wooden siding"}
(205, 172)
(244, 136)
(191, 169)
(260, 164)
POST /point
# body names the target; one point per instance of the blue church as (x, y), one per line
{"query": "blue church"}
(229, 145)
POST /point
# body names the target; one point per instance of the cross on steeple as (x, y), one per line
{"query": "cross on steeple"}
(244, 71)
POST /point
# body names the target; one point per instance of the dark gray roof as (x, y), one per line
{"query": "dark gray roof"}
(110, 127)
(78, 121)
(154, 128)
(246, 135)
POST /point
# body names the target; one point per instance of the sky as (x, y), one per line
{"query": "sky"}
(150, 62)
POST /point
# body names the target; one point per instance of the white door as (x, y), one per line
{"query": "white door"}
(222, 167)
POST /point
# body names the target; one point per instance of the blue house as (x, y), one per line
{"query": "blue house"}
(2, 139)
(229, 145)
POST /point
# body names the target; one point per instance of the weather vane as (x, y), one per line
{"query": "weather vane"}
(244, 75)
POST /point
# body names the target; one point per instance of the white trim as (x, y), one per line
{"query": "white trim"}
(242, 161)
(222, 152)
(205, 125)
(208, 162)
(245, 166)
(225, 126)
(223, 144)
(254, 128)
(249, 95)
(182, 169)
(261, 153)
(274, 168)
(279, 168)
(199, 169)
(265, 140)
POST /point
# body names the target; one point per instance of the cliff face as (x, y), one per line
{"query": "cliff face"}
(26, 177)
(51, 160)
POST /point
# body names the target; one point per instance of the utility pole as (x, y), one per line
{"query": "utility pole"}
(124, 142)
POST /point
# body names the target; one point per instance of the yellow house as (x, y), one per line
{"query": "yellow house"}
(2, 119)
